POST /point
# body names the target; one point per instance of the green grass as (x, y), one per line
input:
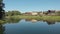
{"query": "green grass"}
(36, 17)
(2, 21)
(24, 17)
(52, 18)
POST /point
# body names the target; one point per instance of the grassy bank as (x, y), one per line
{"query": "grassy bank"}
(36, 17)
(46, 18)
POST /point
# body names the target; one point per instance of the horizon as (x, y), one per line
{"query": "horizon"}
(31, 5)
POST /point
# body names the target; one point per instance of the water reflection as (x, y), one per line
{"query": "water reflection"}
(49, 22)
(4, 21)
(24, 27)
(13, 20)
(32, 20)
(2, 29)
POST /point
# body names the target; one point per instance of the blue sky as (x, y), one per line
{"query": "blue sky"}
(32, 5)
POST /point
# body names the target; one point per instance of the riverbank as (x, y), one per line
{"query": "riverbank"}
(18, 17)
(53, 18)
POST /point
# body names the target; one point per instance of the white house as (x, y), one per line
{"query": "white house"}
(34, 13)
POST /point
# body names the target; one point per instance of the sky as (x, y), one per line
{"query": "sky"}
(31, 5)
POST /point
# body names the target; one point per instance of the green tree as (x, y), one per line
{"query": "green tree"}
(14, 12)
(2, 11)
(1, 1)
(8, 13)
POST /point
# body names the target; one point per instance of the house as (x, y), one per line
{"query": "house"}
(28, 13)
(51, 12)
(34, 13)
(31, 13)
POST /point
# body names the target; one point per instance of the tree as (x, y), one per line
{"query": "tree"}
(2, 11)
(1, 0)
(16, 12)
(2, 28)
(13, 12)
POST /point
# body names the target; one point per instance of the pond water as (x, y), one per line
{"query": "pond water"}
(26, 26)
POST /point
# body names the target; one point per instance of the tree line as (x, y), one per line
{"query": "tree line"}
(12, 13)
(16, 12)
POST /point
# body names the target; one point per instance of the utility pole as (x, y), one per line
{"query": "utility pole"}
(2, 11)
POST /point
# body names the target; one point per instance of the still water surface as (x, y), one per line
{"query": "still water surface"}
(24, 26)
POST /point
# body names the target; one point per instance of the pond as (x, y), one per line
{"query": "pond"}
(30, 26)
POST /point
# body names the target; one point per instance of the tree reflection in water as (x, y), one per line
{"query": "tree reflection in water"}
(13, 20)
(4, 21)
(31, 20)
(16, 20)
(49, 22)
(2, 29)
